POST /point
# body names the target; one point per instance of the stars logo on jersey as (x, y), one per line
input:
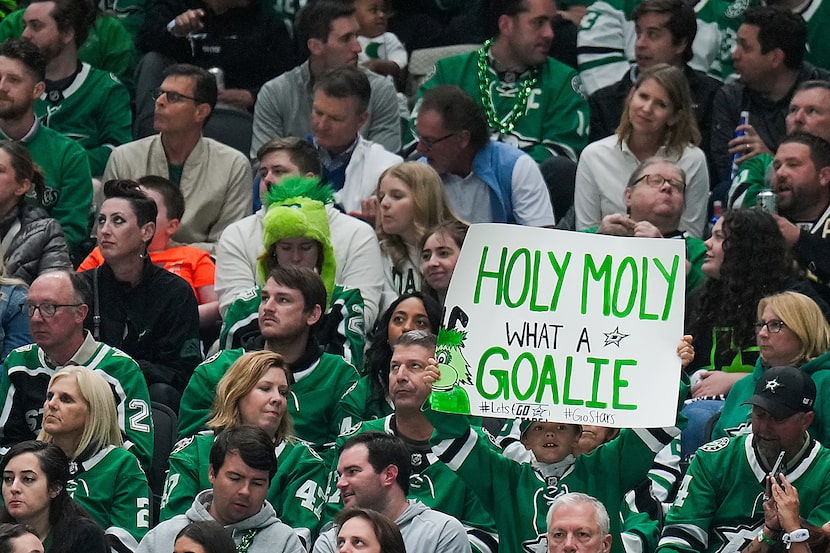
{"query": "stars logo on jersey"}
(736, 538)
(539, 545)
(717, 445)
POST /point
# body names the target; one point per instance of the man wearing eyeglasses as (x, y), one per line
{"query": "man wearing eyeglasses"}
(485, 181)
(654, 200)
(56, 308)
(215, 179)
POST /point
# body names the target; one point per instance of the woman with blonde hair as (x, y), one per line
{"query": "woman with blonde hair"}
(658, 120)
(254, 391)
(411, 200)
(79, 417)
(791, 331)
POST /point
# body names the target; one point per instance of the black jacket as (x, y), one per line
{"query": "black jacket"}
(38, 246)
(156, 322)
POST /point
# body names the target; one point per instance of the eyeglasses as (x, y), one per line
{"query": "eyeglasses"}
(657, 181)
(774, 326)
(429, 143)
(173, 97)
(47, 310)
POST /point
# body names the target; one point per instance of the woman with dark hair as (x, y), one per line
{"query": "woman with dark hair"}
(368, 399)
(440, 248)
(367, 531)
(658, 120)
(203, 536)
(746, 259)
(254, 392)
(79, 416)
(17, 538)
(142, 309)
(35, 478)
(31, 242)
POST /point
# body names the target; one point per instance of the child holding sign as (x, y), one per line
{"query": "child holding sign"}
(523, 492)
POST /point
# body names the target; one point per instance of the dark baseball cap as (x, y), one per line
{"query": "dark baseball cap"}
(784, 391)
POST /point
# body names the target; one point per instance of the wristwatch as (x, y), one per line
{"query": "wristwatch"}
(796, 536)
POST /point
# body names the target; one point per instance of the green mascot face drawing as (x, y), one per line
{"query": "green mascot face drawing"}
(451, 362)
(447, 394)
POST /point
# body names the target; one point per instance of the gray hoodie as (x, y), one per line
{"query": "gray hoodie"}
(272, 537)
(424, 530)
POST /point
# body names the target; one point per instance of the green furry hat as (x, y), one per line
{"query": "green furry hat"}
(296, 208)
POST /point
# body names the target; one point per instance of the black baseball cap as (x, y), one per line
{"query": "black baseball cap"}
(784, 391)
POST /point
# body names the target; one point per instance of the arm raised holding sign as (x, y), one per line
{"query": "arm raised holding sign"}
(514, 492)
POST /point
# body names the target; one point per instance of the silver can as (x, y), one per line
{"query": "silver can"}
(767, 201)
(219, 75)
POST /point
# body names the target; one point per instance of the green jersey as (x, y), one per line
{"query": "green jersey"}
(94, 110)
(719, 506)
(432, 483)
(23, 386)
(341, 330)
(110, 46)
(556, 116)
(518, 495)
(297, 490)
(752, 177)
(360, 403)
(113, 488)
(314, 400)
(68, 194)
(605, 43)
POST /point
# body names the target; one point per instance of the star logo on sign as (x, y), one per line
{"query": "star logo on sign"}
(772, 385)
(614, 337)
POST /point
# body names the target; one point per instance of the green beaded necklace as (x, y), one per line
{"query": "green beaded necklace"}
(485, 83)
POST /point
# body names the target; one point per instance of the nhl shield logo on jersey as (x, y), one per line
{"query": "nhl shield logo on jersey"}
(717, 445)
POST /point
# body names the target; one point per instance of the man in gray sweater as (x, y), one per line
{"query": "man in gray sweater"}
(242, 464)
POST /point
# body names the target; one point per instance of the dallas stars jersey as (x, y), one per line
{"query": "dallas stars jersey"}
(719, 506)
(314, 400)
(360, 405)
(556, 119)
(435, 485)
(23, 391)
(94, 110)
(605, 43)
(518, 496)
(297, 490)
(113, 488)
(340, 332)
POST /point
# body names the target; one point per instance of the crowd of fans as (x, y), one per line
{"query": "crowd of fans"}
(249, 181)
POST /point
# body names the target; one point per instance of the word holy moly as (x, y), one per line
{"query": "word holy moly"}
(623, 283)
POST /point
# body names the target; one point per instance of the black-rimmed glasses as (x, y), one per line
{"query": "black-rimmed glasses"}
(173, 97)
(47, 310)
(774, 326)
